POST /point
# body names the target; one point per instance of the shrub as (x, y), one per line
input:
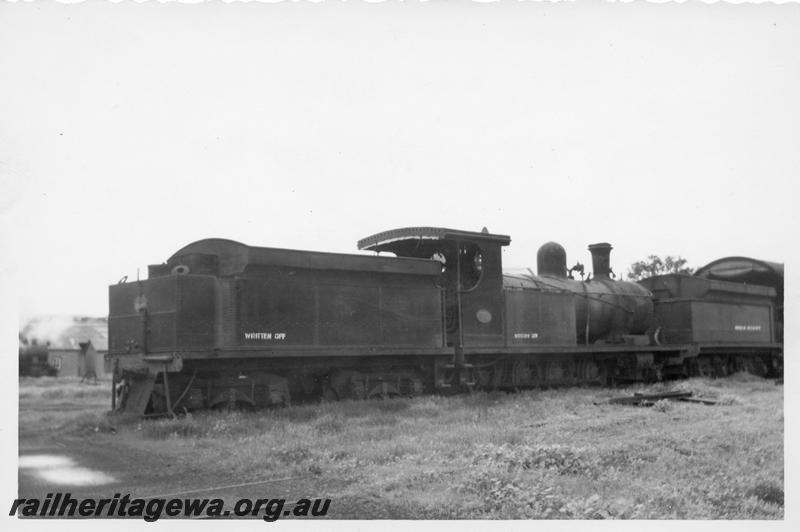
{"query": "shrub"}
(767, 492)
(727, 399)
(560, 458)
(662, 405)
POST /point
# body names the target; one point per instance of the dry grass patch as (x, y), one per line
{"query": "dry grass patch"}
(43, 390)
(535, 455)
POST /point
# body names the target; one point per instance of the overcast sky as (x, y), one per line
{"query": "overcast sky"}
(128, 131)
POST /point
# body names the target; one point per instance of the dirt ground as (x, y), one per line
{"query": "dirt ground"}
(554, 454)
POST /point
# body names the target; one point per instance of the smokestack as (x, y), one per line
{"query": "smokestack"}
(601, 260)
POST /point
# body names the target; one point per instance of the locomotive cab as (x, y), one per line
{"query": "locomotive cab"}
(472, 277)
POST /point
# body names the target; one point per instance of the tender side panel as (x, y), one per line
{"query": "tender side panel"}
(349, 315)
(692, 321)
(196, 309)
(276, 313)
(299, 313)
(675, 321)
(729, 322)
(539, 318)
(411, 316)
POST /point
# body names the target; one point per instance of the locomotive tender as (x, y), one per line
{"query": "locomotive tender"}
(225, 324)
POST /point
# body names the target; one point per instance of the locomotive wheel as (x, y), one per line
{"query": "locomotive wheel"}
(652, 374)
(348, 384)
(485, 378)
(704, 368)
(777, 365)
(384, 391)
(555, 373)
(329, 394)
(692, 367)
(720, 366)
(588, 372)
(570, 370)
(757, 367)
(231, 400)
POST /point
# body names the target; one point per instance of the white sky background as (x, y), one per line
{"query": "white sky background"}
(128, 131)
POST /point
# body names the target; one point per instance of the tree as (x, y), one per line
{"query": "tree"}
(654, 265)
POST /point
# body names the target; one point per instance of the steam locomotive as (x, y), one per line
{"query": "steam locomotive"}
(223, 324)
(33, 361)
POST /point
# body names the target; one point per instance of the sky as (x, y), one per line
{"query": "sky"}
(130, 130)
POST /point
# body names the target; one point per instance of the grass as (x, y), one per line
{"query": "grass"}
(63, 404)
(32, 390)
(534, 455)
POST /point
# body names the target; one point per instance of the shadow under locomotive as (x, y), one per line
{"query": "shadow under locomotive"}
(225, 324)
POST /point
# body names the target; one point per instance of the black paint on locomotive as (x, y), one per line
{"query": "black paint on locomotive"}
(221, 323)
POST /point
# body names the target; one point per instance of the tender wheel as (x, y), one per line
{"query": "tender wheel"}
(329, 394)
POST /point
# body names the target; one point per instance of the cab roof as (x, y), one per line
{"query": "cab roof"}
(394, 238)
